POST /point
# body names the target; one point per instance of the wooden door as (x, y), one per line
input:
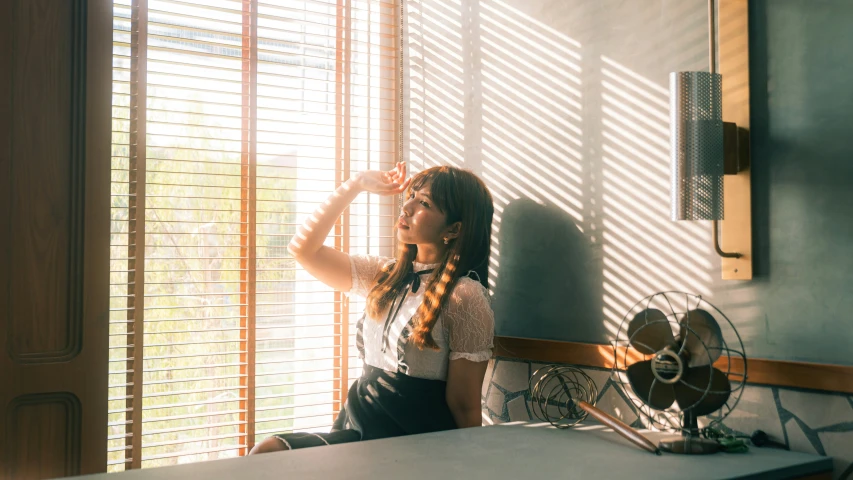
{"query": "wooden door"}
(55, 94)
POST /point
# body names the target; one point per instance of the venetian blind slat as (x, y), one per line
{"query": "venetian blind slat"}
(254, 112)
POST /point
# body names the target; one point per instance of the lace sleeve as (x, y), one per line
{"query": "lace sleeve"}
(470, 322)
(364, 269)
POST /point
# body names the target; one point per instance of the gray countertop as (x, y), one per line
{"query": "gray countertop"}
(523, 451)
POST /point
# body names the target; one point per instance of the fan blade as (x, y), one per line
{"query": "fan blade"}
(650, 332)
(641, 378)
(703, 341)
(719, 390)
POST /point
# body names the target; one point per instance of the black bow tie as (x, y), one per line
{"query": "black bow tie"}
(414, 278)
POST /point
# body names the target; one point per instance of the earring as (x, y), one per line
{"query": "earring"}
(446, 241)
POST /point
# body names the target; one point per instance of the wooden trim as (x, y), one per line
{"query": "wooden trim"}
(342, 145)
(245, 107)
(77, 199)
(96, 281)
(778, 373)
(71, 416)
(733, 47)
(35, 300)
(253, 243)
(136, 228)
(55, 72)
(397, 203)
(343, 330)
(547, 351)
(248, 219)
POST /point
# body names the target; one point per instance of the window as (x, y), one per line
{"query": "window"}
(233, 120)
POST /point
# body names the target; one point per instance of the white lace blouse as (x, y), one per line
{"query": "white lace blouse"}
(464, 329)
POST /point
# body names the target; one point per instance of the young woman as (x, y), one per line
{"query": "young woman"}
(426, 335)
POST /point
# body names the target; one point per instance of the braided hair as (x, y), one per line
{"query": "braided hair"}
(464, 198)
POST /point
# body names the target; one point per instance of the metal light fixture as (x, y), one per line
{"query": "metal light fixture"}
(697, 145)
(704, 148)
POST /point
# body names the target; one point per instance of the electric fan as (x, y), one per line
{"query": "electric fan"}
(676, 364)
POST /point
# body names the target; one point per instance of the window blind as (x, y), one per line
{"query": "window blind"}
(232, 121)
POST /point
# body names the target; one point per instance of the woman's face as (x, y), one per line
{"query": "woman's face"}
(420, 220)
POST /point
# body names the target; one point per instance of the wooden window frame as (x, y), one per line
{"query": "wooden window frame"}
(135, 316)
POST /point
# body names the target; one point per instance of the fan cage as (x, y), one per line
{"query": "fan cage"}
(671, 419)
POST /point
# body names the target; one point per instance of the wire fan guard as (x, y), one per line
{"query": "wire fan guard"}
(675, 345)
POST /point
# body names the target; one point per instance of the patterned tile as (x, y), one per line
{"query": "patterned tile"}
(613, 403)
(496, 420)
(511, 375)
(600, 377)
(810, 422)
(488, 378)
(797, 439)
(756, 411)
(537, 366)
(518, 409)
(495, 402)
(817, 410)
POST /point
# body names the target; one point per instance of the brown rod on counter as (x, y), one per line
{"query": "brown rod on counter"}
(621, 428)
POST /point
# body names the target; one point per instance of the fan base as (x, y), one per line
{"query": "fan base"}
(690, 445)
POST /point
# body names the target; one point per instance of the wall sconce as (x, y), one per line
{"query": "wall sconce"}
(704, 149)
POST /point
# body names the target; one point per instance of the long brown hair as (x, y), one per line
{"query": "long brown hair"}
(462, 197)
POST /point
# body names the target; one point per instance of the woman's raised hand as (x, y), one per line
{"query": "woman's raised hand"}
(391, 182)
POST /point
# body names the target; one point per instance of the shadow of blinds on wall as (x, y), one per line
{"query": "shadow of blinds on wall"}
(232, 121)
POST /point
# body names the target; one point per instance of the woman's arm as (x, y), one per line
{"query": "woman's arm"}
(325, 263)
(470, 324)
(464, 384)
